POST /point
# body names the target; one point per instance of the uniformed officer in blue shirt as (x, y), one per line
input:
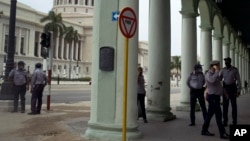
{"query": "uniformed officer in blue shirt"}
(213, 93)
(232, 85)
(196, 82)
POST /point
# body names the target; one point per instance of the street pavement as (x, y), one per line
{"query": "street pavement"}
(68, 122)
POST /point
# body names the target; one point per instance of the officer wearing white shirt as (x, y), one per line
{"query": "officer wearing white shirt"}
(196, 82)
(232, 85)
(213, 94)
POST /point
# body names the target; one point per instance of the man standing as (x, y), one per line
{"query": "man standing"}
(232, 85)
(19, 76)
(38, 82)
(196, 82)
(213, 94)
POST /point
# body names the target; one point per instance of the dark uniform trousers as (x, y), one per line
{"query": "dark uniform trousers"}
(19, 91)
(197, 94)
(141, 101)
(36, 98)
(231, 91)
(214, 108)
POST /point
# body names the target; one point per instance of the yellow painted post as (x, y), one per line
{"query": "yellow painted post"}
(124, 127)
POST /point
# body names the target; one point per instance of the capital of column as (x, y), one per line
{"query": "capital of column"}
(218, 36)
(206, 27)
(232, 47)
(189, 14)
(226, 42)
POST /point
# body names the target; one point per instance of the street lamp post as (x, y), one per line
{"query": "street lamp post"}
(6, 90)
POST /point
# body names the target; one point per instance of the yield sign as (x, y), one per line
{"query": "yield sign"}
(128, 22)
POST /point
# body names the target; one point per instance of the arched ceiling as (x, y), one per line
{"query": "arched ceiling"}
(238, 14)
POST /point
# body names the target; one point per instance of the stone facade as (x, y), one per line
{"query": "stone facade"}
(76, 13)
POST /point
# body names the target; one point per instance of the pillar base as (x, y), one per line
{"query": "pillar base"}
(104, 132)
(185, 106)
(155, 114)
(6, 105)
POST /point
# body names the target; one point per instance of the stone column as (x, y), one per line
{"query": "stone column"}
(18, 40)
(39, 47)
(32, 42)
(2, 34)
(76, 51)
(225, 52)
(217, 48)
(56, 48)
(206, 46)
(188, 56)
(232, 53)
(240, 67)
(66, 50)
(158, 92)
(62, 47)
(106, 114)
(236, 62)
(26, 41)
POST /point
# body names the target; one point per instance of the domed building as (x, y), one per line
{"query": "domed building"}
(75, 13)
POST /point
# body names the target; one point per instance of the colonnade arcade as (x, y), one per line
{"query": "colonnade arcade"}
(218, 40)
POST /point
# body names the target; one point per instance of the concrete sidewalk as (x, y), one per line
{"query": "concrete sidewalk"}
(68, 122)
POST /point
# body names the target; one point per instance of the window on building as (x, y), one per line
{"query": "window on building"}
(22, 46)
(75, 9)
(87, 69)
(54, 68)
(92, 3)
(57, 3)
(69, 1)
(76, 1)
(6, 43)
(36, 49)
(86, 2)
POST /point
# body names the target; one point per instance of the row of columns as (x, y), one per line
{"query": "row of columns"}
(24, 40)
(61, 50)
(216, 50)
(107, 86)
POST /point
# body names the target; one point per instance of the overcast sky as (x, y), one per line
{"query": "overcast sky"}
(46, 5)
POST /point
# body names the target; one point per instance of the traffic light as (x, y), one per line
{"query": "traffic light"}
(45, 39)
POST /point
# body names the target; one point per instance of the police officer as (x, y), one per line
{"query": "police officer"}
(213, 94)
(38, 82)
(196, 82)
(232, 85)
(19, 77)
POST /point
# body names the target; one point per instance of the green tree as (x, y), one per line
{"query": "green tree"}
(55, 24)
(71, 36)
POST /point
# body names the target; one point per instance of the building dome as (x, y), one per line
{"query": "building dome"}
(74, 10)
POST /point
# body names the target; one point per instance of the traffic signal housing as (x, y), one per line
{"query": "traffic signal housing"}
(45, 39)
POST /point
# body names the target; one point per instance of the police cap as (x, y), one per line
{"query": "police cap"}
(38, 65)
(214, 62)
(21, 63)
(197, 66)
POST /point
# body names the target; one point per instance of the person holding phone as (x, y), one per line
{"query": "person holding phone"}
(213, 94)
